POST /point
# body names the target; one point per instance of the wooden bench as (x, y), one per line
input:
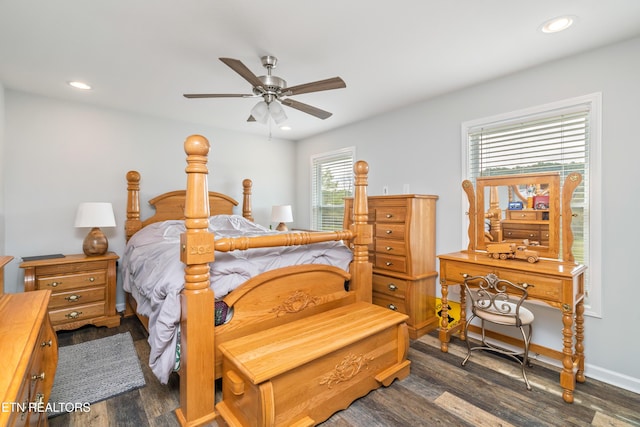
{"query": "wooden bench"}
(300, 373)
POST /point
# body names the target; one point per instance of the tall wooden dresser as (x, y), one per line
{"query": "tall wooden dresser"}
(28, 358)
(403, 256)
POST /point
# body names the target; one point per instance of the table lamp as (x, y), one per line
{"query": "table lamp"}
(281, 214)
(95, 215)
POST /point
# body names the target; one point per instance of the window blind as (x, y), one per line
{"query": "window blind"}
(331, 182)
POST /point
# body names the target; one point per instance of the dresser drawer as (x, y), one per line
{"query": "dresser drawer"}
(391, 263)
(76, 297)
(392, 247)
(78, 312)
(390, 231)
(391, 214)
(544, 287)
(523, 215)
(395, 304)
(390, 286)
(72, 281)
(517, 233)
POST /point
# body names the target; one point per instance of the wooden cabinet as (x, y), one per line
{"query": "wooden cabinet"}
(403, 256)
(28, 358)
(83, 289)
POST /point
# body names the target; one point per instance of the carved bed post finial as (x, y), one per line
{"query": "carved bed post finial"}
(132, 223)
(246, 199)
(197, 388)
(362, 271)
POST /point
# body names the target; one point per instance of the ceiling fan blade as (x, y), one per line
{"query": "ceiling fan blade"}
(305, 108)
(217, 95)
(242, 69)
(320, 85)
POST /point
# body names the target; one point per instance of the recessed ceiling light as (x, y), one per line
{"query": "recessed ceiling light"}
(80, 85)
(285, 127)
(557, 24)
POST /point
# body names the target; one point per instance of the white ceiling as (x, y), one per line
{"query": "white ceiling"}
(142, 55)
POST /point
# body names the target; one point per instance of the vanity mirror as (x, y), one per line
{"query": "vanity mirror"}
(525, 208)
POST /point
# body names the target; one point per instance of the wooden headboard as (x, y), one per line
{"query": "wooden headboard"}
(171, 205)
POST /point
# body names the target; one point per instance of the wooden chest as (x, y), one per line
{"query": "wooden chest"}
(303, 372)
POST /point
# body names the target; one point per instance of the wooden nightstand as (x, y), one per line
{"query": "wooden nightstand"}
(83, 289)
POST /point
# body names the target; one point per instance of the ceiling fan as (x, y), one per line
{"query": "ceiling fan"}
(274, 91)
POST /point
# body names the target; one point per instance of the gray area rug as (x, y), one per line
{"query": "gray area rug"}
(93, 371)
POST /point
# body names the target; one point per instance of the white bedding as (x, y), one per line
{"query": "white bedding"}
(153, 273)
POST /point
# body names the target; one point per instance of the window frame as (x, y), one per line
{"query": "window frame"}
(323, 158)
(593, 304)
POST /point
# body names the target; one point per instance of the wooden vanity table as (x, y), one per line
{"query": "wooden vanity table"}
(556, 279)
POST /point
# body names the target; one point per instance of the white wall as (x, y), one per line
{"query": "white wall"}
(420, 146)
(58, 154)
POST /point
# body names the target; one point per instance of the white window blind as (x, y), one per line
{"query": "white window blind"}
(555, 138)
(331, 181)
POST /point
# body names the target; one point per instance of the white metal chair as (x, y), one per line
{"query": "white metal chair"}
(499, 301)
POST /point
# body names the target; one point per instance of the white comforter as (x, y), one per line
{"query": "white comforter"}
(153, 273)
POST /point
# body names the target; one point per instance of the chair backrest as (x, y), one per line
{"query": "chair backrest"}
(496, 296)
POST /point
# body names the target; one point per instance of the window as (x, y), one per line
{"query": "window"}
(331, 182)
(562, 137)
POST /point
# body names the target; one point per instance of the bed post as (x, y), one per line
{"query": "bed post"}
(361, 271)
(197, 376)
(246, 199)
(133, 223)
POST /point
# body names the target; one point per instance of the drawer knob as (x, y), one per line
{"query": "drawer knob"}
(46, 343)
(392, 287)
(54, 284)
(38, 377)
(388, 231)
(531, 234)
(392, 307)
(388, 263)
(92, 279)
(389, 216)
(73, 298)
(388, 248)
(73, 314)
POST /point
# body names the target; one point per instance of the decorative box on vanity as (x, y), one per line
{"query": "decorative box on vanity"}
(403, 256)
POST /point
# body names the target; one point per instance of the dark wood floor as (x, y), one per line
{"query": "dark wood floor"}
(489, 391)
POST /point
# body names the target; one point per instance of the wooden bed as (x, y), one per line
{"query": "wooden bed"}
(302, 291)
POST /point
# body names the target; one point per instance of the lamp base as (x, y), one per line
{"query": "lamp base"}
(95, 243)
(282, 227)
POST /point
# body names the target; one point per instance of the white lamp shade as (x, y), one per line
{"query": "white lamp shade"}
(260, 112)
(94, 214)
(281, 213)
(277, 113)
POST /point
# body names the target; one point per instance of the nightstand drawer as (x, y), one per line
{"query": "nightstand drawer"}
(76, 297)
(72, 281)
(390, 286)
(78, 312)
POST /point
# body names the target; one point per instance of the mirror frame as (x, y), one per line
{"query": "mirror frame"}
(491, 208)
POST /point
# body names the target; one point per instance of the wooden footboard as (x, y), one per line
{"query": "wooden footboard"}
(268, 300)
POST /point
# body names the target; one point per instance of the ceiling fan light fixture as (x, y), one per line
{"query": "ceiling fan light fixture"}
(277, 113)
(260, 112)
